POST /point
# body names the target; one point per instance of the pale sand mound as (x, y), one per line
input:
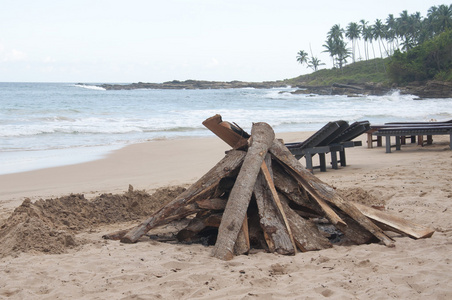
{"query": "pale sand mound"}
(50, 225)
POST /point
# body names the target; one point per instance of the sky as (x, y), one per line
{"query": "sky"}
(99, 41)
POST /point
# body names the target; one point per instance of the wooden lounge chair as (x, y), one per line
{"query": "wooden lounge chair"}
(332, 138)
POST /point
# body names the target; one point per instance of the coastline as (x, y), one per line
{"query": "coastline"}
(413, 183)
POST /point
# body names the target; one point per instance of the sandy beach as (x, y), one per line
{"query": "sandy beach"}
(414, 183)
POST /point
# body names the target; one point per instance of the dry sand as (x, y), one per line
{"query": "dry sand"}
(415, 183)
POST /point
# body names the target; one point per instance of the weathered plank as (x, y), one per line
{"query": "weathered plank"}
(395, 223)
(201, 189)
(262, 136)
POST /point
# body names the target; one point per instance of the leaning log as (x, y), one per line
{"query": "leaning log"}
(275, 230)
(306, 234)
(205, 186)
(262, 136)
(323, 193)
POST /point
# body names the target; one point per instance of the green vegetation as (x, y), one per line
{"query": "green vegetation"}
(430, 60)
(357, 73)
(412, 47)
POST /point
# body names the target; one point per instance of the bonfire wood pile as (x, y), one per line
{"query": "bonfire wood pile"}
(260, 196)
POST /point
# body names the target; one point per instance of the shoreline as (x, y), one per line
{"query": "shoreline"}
(147, 165)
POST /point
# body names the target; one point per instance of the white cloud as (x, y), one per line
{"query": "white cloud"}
(12, 55)
(213, 63)
(49, 59)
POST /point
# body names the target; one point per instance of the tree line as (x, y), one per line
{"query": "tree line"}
(395, 34)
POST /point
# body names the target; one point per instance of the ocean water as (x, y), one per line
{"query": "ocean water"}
(52, 124)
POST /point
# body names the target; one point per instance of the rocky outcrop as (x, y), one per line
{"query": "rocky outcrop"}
(431, 89)
(344, 89)
(195, 84)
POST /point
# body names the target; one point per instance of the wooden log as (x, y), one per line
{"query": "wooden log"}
(395, 223)
(212, 204)
(306, 234)
(322, 192)
(223, 131)
(286, 184)
(242, 244)
(354, 232)
(298, 172)
(262, 136)
(199, 190)
(268, 175)
(275, 230)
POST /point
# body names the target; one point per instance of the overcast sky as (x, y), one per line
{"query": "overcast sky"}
(156, 41)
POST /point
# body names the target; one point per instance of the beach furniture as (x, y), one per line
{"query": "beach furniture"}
(332, 138)
(400, 131)
(371, 137)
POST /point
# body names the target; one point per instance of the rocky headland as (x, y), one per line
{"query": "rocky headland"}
(430, 89)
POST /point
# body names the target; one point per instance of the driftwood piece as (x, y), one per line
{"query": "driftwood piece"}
(275, 230)
(199, 190)
(223, 130)
(294, 168)
(305, 233)
(322, 192)
(262, 136)
(394, 223)
(213, 204)
(242, 244)
(287, 185)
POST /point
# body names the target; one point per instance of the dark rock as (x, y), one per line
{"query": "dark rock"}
(430, 89)
(195, 84)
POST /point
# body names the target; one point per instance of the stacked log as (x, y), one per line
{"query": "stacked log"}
(260, 196)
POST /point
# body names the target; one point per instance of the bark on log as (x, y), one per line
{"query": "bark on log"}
(199, 190)
(276, 233)
(242, 244)
(299, 173)
(262, 136)
(322, 192)
(287, 185)
(213, 204)
(305, 233)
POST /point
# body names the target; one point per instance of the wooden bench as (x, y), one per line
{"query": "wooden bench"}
(419, 130)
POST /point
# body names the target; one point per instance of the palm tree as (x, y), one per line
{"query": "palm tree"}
(330, 48)
(379, 32)
(314, 63)
(302, 57)
(365, 37)
(441, 17)
(404, 24)
(353, 33)
(391, 29)
(342, 53)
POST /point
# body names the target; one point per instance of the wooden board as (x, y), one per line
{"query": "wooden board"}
(396, 223)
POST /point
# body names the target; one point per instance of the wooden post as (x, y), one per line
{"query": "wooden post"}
(262, 136)
(203, 187)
